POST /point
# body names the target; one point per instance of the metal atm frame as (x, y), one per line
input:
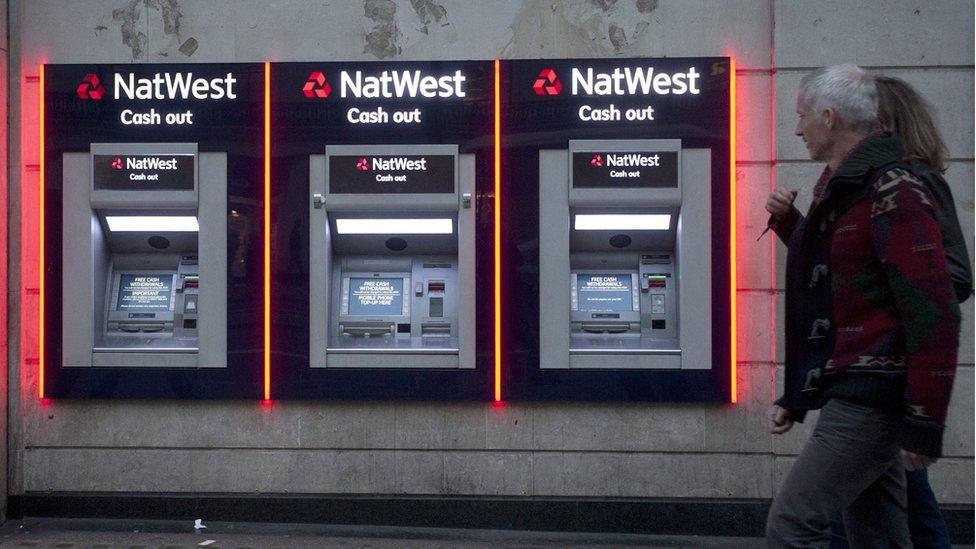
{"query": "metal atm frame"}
(690, 254)
(326, 286)
(88, 286)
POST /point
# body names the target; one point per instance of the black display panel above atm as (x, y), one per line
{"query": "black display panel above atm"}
(638, 169)
(391, 174)
(156, 172)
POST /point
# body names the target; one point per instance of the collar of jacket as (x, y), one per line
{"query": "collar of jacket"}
(872, 152)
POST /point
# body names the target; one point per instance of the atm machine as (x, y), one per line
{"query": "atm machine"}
(145, 257)
(625, 256)
(392, 256)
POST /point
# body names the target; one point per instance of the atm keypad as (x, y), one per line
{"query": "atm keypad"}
(436, 307)
(435, 293)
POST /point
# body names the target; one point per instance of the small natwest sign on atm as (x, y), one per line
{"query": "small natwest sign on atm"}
(642, 169)
(385, 174)
(158, 172)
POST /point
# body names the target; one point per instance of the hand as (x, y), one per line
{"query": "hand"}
(915, 462)
(779, 420)
(780, 202)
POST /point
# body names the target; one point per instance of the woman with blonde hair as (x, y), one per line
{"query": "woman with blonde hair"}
(901, 110)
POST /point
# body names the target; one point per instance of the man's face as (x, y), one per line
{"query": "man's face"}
(812, 127)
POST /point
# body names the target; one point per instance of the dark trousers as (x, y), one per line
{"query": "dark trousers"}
(850, 465)
(926, 526)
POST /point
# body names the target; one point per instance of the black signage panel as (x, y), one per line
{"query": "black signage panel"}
(545, 104)
(220, 108)
(599, 170)
(385, 174)
(318, 104)
(157, 172)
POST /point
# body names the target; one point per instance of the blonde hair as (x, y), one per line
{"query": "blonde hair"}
(903, 111)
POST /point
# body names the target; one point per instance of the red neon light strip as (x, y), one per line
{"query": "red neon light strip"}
(732, 236)
(267, 230)
(40, 233)
(498, 235)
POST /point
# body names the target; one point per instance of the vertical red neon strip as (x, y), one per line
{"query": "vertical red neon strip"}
(498, 234)
(267, 230)
(40, 234)
(732, 233)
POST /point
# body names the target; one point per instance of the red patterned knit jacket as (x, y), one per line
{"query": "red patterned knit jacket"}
(871, 315)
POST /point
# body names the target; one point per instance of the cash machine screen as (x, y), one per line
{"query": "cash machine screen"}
(605, 292)
(145, 292)
(375, 296)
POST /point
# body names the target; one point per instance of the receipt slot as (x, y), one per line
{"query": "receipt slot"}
(625, 256)
(392, 257)
(145, 256)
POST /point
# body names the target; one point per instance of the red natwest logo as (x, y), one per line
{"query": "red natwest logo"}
(363, 164)
(90, 88)
(597, 161)
(317, 86)
(117, 163)
(547, 83)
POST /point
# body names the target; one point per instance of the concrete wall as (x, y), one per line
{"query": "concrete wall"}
(680, 451)
(5, 266)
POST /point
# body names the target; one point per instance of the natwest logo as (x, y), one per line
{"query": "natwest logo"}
(363, 165)
(633, 160)
(174, 86)
(90, 88)
(398, 164)
(634, 81)
(317, 86)
(117, 163)
(597, 161)
(399, 84)
(149, 163)
(547, 83)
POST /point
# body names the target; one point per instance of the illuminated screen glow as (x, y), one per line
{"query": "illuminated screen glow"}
(394, 226)
(152, 223)
(622, 222)
(611, 293)
(375, 296)
(145, 292)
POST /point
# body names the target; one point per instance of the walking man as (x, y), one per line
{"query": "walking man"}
(872, 324)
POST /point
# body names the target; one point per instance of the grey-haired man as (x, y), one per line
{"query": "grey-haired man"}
(872, 325)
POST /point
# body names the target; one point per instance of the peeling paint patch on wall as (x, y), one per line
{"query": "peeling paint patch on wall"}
(429, 14)
(131, 37)
(380, 39)
(170, 14)
(598, 27)
(190, 46)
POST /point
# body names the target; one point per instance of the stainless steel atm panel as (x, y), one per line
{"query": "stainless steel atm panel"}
(392, 273)
(145, 254)
(625, 256)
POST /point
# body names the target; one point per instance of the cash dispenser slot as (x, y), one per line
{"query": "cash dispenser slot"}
(366, 329)
(435, 329)
(606, 327)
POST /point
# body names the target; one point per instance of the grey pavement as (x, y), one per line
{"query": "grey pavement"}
(128, 534)
(167, 534)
